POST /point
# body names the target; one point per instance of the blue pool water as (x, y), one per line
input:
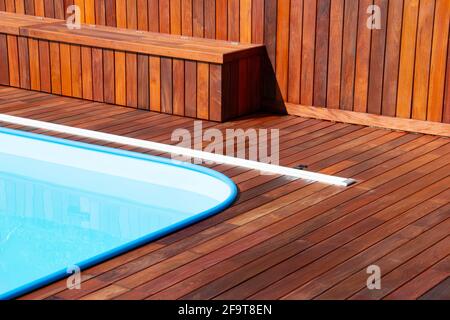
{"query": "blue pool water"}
(65, 204)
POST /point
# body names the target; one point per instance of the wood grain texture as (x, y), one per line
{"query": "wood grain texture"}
(66, 73)
(4, 67)
(438, 60)
(97, 75)
(86, 71)
(143, 91)
(44, 66)
(35, 77)
(203, 91)
(295, 50)
(321, 52)
(190, 89)
(215, 94)
(335, 53)
(131, 80)
(120, 77)
(109, 76)
(407, 58)
(155, 83)
(166, 86)
(178, 87)
(77, 84)
(282, 47)
(13, 61)
(24, 62)
(55, 64)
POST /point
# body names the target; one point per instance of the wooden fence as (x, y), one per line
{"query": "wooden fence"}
(321, 51)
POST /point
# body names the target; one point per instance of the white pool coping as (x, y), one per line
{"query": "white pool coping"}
(145, 144)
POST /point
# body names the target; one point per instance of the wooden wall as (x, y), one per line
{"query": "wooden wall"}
(321, 51)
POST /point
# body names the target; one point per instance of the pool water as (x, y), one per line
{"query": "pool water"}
(65, 204)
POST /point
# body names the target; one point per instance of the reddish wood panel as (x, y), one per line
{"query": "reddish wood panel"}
(143, 91)
(282, 47)
(44, 66)
(178, 87)
(24, 62)
(131, 80)
(108, 76)
(4, 67)
(321, 54)
(295, 50)
(308, 52)
(203, 91)
(77, 85)
(86, 70)
(166, 86)
(190, 89)
(155, 83)
(215, 94)
(35, 78)
(335, 53)
(97, 75)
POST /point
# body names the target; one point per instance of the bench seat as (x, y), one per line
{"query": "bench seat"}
(195, 77)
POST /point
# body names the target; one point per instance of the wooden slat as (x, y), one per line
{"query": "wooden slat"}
(153, 16)
(35, 79)
(77, 85)
(245, 18)
(203, 91)
(121, 9)
(24, 62)
(438, 60)
(131, 80)
(423, 58)
(446, 115)
(295, 50)
(258, 21)
(215, 92)
(321, 52)
(186, 18)
(155, 83)
(210, 19)
(143, 93)
(86, 71)
(131, 14)
(164, 16)
(97, 74)
(362, 58)
(55, 64)
(407, 54)
(190, 89)
(175, 17)
(178, 87)
(110, 13)
(108, 76)
(222, 19)
(44, 66)
(308, 48)
(66, 73)
(198, 17)
(233, 20)
(335, 53)
(120, 86)
(4, 68)
(282, 47)
(13, 61)
(377, 59)
(349, 55)
(142, 15)
(392, 60)
(166, 86)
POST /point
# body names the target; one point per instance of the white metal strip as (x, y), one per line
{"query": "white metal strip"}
(217, 158)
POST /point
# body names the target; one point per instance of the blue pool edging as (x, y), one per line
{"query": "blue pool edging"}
(138, 242)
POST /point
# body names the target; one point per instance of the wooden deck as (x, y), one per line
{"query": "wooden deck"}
(283, 238)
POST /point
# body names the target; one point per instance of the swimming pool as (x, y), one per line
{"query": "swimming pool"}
(65, 204)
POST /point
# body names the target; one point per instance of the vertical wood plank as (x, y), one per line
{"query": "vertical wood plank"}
(349, 54)
(44, 66)
(258, 21)
(131, 80)
(210, 19)
(203, 91)
(270, 40)
(243, 92)
(153, 15)
(13, 61)
(245, 19)
(446, 115)
(164, 16)
(86, 71)
(407, 54)
(282, 49)
(131, 13)
(121, 9)
(108, 76)
(309, 37)
(55, 67)
(110, 13)
(423, 58)
(438, 60)
(186, 18)
(362, 59)
(142, 15)
(24, 62)
(178, 87)
(392, 60)
(2, 5)
(97, 75)
(100, 12)
(39, 8)
(49, 8)
(166, 86)
(198, 18)
(226, 92)
(29, 7)
(75, 57)
(377, 55)
(89, 11)
(175, 17)
(215, 94)
(222, 19)
(190, 89)
(321, 60)
(143, 82)
(19, 6)
(4, 65)
(120, 78)
(335, 53)
(295, 50)
(60, 10)
(155, 83)
(10, 6)
(80, 4)
(66, 73)
(35, 79)
(233, 20)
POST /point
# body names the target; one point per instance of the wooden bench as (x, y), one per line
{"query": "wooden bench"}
(194, 77)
